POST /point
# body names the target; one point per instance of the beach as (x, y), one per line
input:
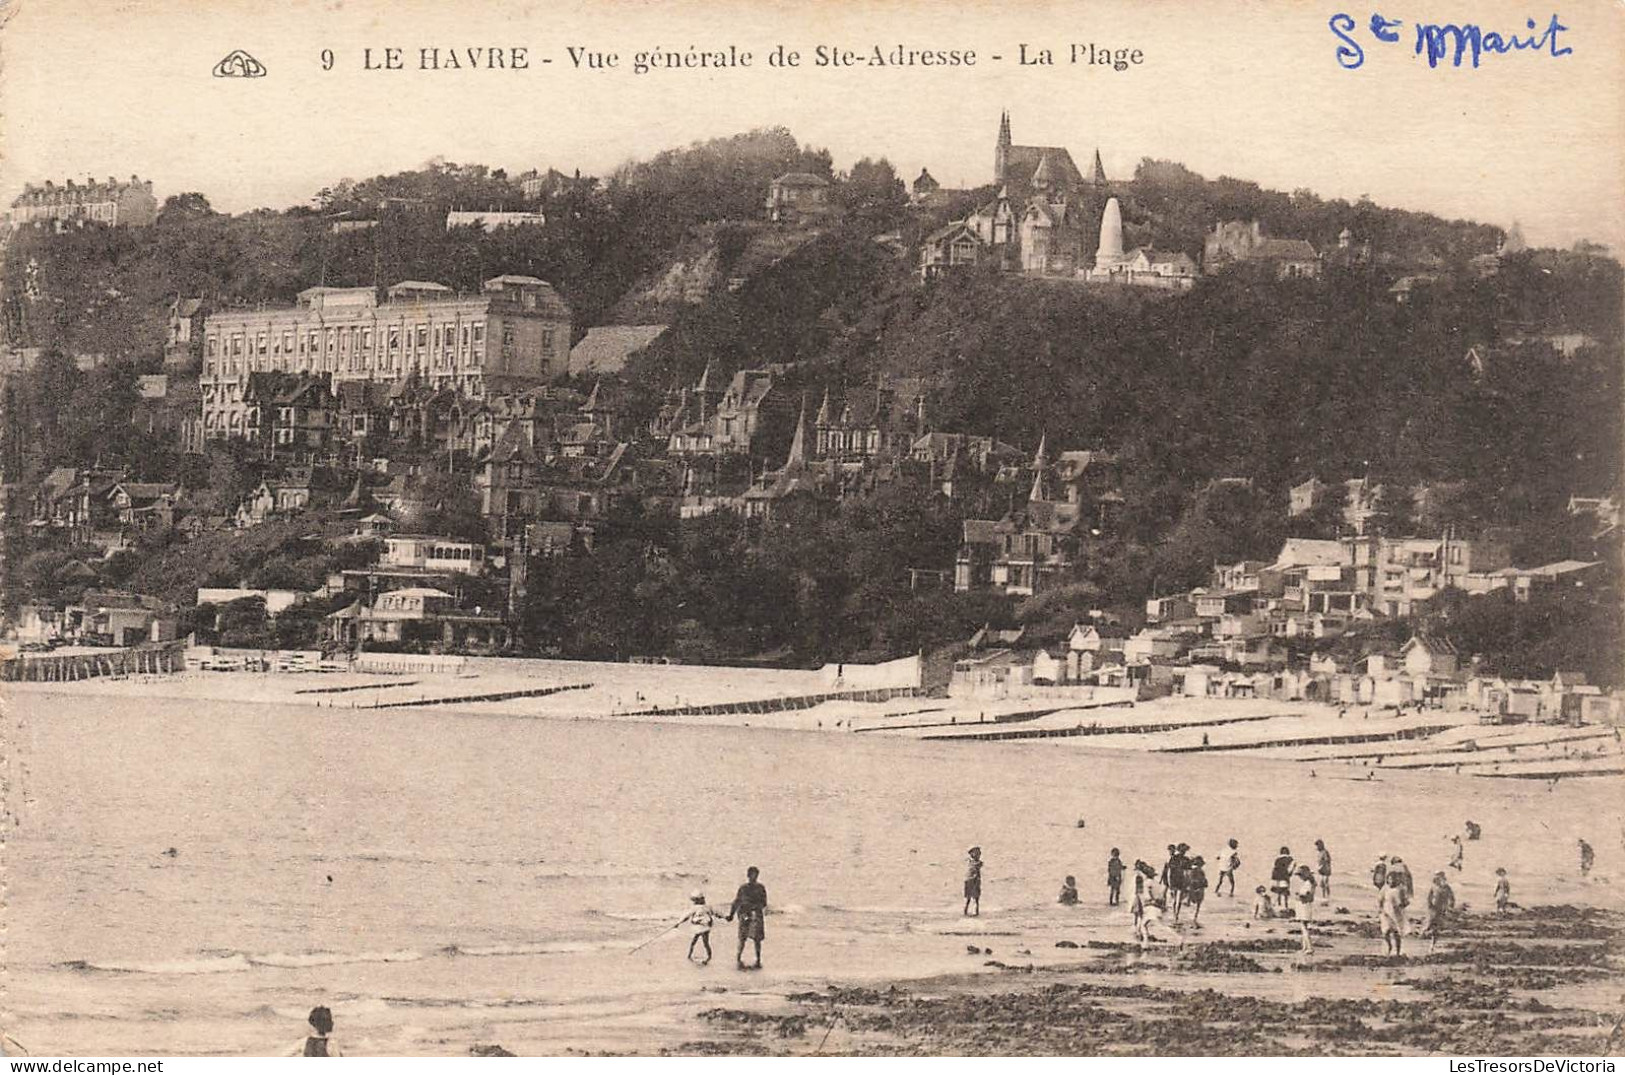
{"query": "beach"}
(447, 879)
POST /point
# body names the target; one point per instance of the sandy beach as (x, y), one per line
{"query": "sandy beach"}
(1338, 739)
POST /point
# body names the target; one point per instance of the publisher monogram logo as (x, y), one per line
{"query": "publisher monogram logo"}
(239, 64)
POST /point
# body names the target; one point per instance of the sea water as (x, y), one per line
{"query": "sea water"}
(443, 879)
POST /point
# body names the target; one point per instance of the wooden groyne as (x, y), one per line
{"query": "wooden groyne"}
(1419, 732)
(359, 687)
(68, 668)
(780, 705)
(492, 696)
(1087, 729)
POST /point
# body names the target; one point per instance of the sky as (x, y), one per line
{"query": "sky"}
(1242, 88)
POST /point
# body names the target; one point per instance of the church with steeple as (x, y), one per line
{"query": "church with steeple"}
(1041, 220)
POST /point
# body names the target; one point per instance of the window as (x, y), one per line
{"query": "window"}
(547, 339)
(394, 339)
(214, 345)
(287, 342)
(236, 345)
(313, 340)
(479, 333)
(423, 335)
(259, 342)
(366, 339)
(507, 338)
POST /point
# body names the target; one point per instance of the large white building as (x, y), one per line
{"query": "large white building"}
(516, 329)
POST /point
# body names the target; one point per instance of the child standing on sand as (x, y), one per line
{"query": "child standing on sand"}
(1503, 890)
(1114, 879)
(700, 919)
(1069, 892)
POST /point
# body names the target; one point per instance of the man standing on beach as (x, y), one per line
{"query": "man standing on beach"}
(750, 907)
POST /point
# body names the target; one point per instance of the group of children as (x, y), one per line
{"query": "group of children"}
(1183, 883)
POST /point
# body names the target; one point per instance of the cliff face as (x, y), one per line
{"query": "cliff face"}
(715, 258)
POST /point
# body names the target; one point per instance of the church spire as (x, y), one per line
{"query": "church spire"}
(1001, 151)
(1040, 462)
(1100, 170)
(797, 459)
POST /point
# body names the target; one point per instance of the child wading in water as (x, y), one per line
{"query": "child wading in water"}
(1229, 863)
(1262, 905)
(700, 919)
(1069, 892)
(319, 1042)
(973, 882)
(1503, 891)
(1195, 889)
(1114, 879)
(1144, 877)
(1391, 904)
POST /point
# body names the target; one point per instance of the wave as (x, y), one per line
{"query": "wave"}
(221, 964)
(539, 948)
(237, 962)
(331, 959)
(641, 916)
(933, 910)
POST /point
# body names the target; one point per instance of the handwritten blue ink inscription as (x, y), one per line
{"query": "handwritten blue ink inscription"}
(1444, 41)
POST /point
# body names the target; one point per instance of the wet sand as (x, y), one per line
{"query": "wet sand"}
(1538, 982)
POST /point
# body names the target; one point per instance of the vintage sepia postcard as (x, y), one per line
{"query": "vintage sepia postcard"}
(883, 528)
